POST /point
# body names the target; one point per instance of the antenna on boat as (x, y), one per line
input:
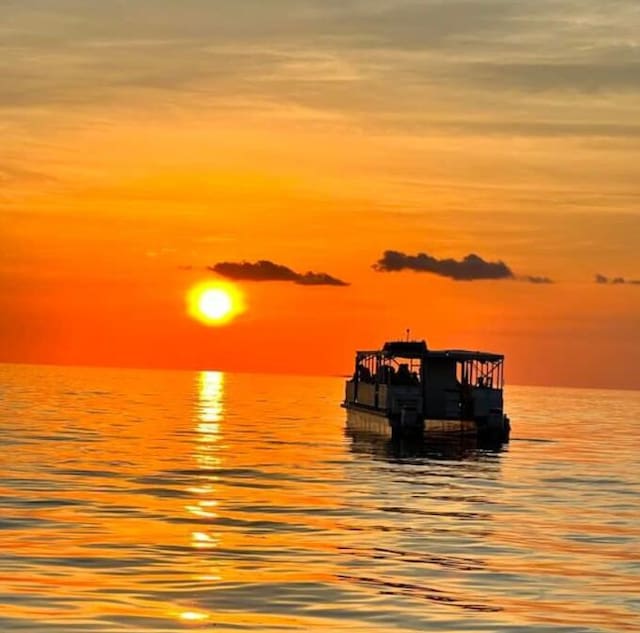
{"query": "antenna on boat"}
(408, 335)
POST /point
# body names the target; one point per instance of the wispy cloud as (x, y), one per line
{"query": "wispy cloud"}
(615, 281)
(265, 270)
(591, 76)
(534, 279)
(472, 267)
(394, 54)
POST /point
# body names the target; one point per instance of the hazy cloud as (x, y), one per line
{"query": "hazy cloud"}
(616, 281)
(534, 279)
(12, 173)
(477, 62)
(588, 76)
(76, 50)
(471, 268)
(265, 270)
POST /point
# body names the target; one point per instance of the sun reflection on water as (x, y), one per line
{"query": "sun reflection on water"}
(193, 616)
(209, 416)
(210, 413)
(211, 392)
(206, 447)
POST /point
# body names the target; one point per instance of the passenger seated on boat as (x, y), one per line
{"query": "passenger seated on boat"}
(403, 376)
(363, 374)
(386, 374)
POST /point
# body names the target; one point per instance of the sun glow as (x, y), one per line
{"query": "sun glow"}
(215, 303)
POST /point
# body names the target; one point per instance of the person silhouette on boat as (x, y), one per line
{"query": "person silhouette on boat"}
(403, 375)
(363, 374)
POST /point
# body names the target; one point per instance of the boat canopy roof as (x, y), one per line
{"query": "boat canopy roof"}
(419, 350)
(405, 349)
(463, 354)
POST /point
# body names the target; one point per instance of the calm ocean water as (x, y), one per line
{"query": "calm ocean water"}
(164, 501)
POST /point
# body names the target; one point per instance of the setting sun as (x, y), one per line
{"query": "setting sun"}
(215, 303)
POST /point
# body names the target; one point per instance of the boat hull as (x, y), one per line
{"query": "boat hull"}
(370, 420)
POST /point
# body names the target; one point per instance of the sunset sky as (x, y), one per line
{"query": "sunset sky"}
(150, 145)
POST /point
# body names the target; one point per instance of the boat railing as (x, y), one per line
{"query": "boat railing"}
(485, 399)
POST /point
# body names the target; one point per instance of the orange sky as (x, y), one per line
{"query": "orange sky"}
(140, 139)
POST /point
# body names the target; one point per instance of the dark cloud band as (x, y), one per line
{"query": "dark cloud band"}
(265, 270)
(471, 268)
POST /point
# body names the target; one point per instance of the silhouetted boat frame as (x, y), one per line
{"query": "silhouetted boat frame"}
(406, 389)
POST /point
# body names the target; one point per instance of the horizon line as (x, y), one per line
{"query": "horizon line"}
(271, 373)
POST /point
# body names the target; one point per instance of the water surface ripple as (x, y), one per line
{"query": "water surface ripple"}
(164, 501)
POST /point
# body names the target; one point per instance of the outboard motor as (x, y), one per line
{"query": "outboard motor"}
(409, 423)
(498, 425)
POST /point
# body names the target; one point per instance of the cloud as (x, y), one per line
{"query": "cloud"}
(534, 279)
(615, 281)
(470, 268)
(265, 270)
(10, 173)
(592, 76)
(378, 61)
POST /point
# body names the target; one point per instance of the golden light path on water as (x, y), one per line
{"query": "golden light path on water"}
(209, 415)
(159, 501)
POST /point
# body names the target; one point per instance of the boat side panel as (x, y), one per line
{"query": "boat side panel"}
(372, 421)
(368, 422)
(450, 426)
